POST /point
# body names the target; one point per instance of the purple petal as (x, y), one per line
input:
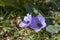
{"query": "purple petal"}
(28, 18)
(23, 25)
(37, 23)
(26, 21)
(29, 15)
(42, 20)
(34, 23)
(37, 30)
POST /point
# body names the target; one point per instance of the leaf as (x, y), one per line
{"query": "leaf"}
(52, 29)
(36, 11)
(4, 27)
(32, 9)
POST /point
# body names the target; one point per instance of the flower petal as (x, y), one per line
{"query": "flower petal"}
(34, 23)
(37, 23)
(23, 25)
(42, 20)
(26, 21)
(37, 30)
(28, 18)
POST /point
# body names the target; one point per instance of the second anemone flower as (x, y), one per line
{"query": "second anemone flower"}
(36, 23)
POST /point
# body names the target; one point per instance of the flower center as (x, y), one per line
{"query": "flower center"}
(39, 24)
(27, 21)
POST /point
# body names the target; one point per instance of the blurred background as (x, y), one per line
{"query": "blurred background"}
(12, 13)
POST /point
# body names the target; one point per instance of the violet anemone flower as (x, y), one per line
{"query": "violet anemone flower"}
(26, 21)
(37, 23)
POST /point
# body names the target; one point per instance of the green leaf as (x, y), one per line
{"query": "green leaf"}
(4, 27)
(52, 29)
(32, 9)
(36, 11)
